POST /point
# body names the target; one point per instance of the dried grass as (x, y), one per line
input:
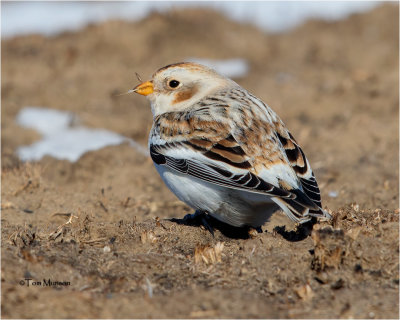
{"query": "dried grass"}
(207, 254)
(148, 237)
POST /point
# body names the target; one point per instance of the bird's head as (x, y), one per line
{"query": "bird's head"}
(178, 86)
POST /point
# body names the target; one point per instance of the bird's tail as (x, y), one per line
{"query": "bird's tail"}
(301, 209)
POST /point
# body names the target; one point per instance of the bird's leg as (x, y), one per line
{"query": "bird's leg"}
(199, 218)
(258, 229)
(305, 229)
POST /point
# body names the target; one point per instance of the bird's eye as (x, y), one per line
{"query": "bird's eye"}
(173, 83)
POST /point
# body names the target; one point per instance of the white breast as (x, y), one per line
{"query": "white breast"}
(192, 191)
(231, 206)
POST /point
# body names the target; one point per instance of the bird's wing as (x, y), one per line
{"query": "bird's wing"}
(300, 165)
(213, 151)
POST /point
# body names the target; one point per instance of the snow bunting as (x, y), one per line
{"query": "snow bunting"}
(223, 151)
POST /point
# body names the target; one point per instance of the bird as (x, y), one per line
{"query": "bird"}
(224, 152)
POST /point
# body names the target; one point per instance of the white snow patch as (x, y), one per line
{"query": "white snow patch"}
(62, 138)
(45, 121)
(52, 17)
(230, 68)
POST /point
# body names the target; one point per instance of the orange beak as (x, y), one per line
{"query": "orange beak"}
(144, 88)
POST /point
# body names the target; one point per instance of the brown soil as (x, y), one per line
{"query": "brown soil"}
(336, 87)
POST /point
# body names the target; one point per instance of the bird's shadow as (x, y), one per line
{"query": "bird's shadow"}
(301, 233)
(212, 223)
(293, 235)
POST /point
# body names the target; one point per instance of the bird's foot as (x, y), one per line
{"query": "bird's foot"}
(199, 218)
(258, 229)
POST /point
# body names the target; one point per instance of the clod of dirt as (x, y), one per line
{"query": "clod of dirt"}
(354, 232)
(330, 248)
(338, 284)
(22, 238)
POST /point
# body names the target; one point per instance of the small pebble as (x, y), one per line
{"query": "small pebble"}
(106, 249)
(112, 240)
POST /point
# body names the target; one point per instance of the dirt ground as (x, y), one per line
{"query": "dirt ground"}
(99, 225)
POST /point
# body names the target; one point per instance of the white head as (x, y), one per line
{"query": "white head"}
(178, 86)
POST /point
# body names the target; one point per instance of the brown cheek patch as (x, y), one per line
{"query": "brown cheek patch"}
(184, 95)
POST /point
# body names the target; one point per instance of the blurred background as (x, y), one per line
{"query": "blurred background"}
(49, 18)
